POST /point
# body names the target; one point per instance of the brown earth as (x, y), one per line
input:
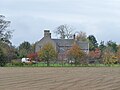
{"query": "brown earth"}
(72, 78)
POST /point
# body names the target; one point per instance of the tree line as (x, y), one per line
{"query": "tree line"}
(107, 53)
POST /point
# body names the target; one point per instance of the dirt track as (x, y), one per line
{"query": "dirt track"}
(60, 78)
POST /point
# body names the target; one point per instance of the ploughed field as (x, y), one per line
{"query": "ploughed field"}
(64, 78)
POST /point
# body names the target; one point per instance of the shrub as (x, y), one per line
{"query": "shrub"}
(16, 63)
(2, 58)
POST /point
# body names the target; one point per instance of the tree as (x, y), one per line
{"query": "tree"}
(112, 45)
(81, 36)
(118, 54)
(95, 55)
(92, 42)
(33, 56)
(64, 31)
(47, 53)
(9, 51)
(109, 57)
(6, 46)
(2, 58)
(24, 49)
(76, 53)
(102, 46)
(5, 34)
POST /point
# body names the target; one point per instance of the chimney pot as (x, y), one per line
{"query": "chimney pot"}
(47, 33)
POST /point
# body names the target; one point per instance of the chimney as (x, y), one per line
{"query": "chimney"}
(47, 33)
(50, 35)
(74, 36)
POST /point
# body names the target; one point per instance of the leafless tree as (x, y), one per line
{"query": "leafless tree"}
(64, 31)
(5, 34)
(81, 36)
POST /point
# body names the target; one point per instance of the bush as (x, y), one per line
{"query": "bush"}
(2, 58)
(16, 63)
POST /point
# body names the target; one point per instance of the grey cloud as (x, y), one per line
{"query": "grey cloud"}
(98, 17)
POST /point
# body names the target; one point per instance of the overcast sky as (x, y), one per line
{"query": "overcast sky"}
(29, 18)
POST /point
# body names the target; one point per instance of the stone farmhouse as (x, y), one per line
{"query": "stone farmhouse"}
(60, 45)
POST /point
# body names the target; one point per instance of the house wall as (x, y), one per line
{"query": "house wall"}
(44, 41)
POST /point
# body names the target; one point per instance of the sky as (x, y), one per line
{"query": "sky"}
(29, 18)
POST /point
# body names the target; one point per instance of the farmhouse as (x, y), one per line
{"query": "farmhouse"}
(60, 45)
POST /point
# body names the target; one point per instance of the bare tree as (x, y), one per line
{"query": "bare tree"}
(81, 36)
(64, 31)
(5, 34)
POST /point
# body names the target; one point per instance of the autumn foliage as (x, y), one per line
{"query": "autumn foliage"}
(76, 53)
(95, 53)
(47, 53)
(32, 56)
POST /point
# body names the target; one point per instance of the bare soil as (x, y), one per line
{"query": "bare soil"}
(50, 78)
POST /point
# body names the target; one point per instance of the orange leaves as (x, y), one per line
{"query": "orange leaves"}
(75, 52)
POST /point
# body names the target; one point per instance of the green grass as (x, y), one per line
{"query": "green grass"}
(41, 64)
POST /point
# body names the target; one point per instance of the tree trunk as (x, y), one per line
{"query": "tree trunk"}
(75, 62)
(48, 63)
